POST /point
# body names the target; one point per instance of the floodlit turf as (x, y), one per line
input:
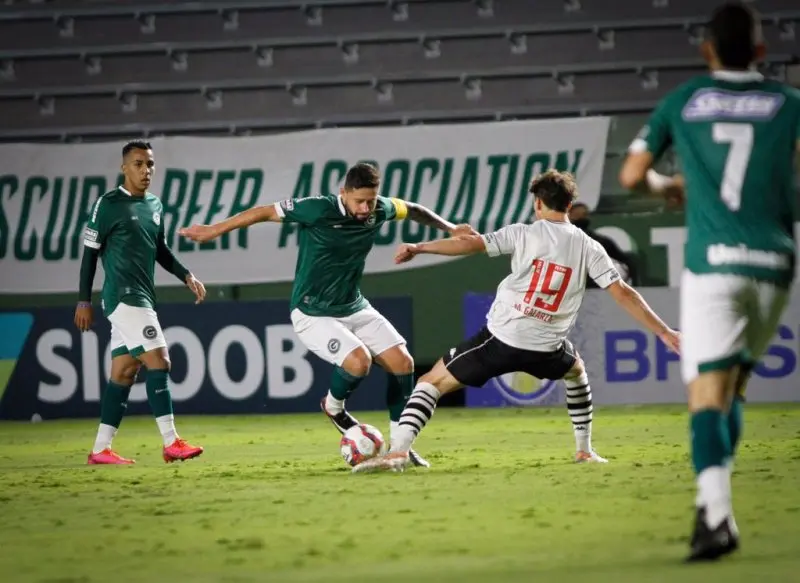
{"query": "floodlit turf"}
(271, 500)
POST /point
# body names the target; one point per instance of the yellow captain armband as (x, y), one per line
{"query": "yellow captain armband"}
(400, 207)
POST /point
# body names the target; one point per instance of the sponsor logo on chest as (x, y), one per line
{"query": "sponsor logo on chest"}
(707, 104)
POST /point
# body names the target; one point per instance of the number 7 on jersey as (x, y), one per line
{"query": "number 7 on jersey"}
(553, 285)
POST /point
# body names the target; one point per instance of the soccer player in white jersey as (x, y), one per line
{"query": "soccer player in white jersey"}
(533, 311)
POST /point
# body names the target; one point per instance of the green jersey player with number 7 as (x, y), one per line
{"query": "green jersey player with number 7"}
(736, 135)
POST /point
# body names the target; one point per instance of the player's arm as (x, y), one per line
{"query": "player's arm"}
(166, 259)
(399, 209)
(632, 302)
(501, 242)
(425, 216)
(649, 145)
(242, 220)
(455, 246)
(605, 275)
(305, 211)
(94, 237)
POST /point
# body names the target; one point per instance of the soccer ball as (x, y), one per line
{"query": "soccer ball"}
(361, 442)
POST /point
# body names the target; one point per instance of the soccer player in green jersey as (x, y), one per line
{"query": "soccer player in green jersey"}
(126, 232)
(329, 314)
(736, 135)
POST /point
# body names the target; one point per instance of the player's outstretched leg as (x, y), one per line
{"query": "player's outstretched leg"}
(112, 409)
(399, 364)
(416, 414)
(580, 408)
(160, 400)
(714, 533)
(344, 380)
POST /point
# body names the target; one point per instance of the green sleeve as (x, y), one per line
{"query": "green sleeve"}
(656, 135)
(99, 225)
(305, 211)
(392, 209)
(166, 258)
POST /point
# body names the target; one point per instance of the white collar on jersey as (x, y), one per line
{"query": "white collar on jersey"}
(125, 190)
(341, 205)
(737, 76)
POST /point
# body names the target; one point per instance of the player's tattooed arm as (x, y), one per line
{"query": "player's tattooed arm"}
(242, 220)
(425, 216)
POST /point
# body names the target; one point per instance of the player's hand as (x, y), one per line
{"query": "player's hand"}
(199, 233)
(672, 339)
(464, 229)
(405, 252)
(197, 287)
(83, 316)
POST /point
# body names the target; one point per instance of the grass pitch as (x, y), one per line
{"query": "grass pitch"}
(271, 500)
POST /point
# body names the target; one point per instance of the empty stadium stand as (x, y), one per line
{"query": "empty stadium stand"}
(97, 70)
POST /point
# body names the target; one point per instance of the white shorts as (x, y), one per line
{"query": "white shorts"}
(726, 320)
(332, 339)
(134, 331)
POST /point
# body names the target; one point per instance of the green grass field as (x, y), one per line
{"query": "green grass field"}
(271, 500)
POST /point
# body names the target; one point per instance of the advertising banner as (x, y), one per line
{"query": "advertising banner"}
(628, 365)
(475, 173)
(227, 358)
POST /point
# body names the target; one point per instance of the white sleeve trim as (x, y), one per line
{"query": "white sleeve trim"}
(279, 210)
(606, 278)
(92, 244)
(638, 146)
(490, 242)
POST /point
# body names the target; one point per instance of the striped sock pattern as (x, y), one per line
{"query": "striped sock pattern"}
(579, 406)
(420, 407)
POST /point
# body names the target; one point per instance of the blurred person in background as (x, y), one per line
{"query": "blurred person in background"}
(579, 215)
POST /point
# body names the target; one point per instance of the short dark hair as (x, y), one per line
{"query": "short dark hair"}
(734, 32)
(362, 175)
(556, 189)
(135, 145)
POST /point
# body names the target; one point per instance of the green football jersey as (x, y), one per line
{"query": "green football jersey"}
(735, 135)
(126, 229)
(333, 248)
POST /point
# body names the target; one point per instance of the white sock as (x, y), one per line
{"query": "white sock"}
(580, 408)
(393, 427)
(418, 411)
(714, 492)
(166, 425)
(333, 405)
(105, 435)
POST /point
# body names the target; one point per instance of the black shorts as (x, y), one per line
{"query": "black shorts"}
(483, 357)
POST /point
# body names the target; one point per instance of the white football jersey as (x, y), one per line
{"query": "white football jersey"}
(536, 305)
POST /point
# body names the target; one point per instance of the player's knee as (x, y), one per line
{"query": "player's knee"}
(404, 363)
(157, 362)
(578, 370)
(440, 378)
(358, 362)
(126, 375)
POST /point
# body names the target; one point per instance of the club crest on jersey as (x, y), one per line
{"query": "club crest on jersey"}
(370, 220)
(157, 218)
(711, 103)
(333, 345)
